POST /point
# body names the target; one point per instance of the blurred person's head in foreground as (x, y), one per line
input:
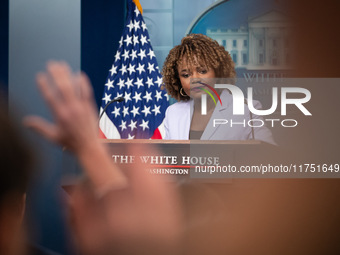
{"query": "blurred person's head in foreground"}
(15, 171)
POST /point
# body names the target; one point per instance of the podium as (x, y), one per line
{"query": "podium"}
(223, 212)
(185, 160)
(192, 158)
(209, 160)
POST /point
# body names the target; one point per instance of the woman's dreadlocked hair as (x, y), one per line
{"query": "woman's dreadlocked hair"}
(197, 49)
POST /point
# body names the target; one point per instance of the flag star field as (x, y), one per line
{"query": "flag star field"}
(135, 76)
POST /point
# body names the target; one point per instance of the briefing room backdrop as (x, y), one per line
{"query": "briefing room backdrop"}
(85, 33)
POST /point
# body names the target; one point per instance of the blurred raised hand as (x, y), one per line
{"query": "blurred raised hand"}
(143, 218)
(113, 212)
(70, 98)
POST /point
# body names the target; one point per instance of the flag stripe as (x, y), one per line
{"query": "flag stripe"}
(107, 128)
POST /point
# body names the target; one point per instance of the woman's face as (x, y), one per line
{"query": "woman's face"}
(190, 76)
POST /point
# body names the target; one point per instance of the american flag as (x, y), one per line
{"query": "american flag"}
(134, 76)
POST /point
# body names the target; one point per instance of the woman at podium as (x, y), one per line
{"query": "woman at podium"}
(192, 69)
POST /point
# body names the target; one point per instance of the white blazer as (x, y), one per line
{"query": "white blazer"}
(178, 119)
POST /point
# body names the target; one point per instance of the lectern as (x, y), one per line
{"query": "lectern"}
(194, 158)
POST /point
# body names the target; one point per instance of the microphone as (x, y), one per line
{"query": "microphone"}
(117, 99)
